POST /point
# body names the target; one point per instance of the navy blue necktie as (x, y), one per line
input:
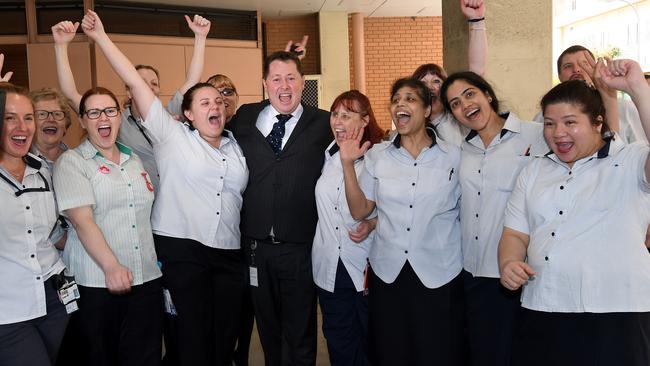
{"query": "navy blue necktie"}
(277, 133)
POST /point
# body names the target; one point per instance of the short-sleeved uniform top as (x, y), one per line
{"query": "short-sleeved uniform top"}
(27, 257)
(417, 210)
(201, 186)
(587, 228)
(120, 196)
(487, 177)
(332, 240)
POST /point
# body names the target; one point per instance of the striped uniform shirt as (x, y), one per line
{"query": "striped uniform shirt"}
(120, 196)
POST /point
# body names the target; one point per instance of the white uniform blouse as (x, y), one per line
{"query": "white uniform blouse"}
(587, 228)
(27, 257)
(487, 177)
(417, 209)
(201, 187)
(332, 241)
(120, 196)
(449, 129)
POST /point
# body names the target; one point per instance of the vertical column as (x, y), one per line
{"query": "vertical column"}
(359, 52)
(520, 59)
(334, 51)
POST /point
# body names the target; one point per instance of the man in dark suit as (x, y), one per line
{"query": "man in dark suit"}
(284, 143)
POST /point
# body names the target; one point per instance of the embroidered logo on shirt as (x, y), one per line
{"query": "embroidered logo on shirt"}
(146, 179)
(104, 169)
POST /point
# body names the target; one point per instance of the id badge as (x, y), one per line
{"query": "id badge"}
(253, 276)
(69, 294)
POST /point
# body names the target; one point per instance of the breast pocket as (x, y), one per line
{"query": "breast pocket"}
(507, 174)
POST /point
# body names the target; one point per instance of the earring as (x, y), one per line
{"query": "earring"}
(489, 99)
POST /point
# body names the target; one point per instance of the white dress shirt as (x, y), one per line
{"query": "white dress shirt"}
(27, 257)
(135, 136)
(120, 196)
(587, 228)
(332, 240)
(201, 186)
(417, 209)
(487, 177)
(268, 117)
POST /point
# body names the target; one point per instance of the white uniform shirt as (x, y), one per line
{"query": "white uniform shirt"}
(120, 196)
(201, 187)
(27, 257)
(487, 177)
(417, 209)
(135, 136)
(448, 129)
(268, 117)
(332, 241)
(587, 228)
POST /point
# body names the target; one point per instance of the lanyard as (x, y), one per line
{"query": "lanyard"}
(139, 127)
(27, 190)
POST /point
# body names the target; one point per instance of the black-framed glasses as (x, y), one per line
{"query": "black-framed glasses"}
(226, 92)
(42, 115)
(96, 113)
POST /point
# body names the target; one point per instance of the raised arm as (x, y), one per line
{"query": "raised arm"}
(349, 151)
(626, 75)
(6, 77)
(300, 48)
(594, 70)
(141, 94)
(474, 11)
(64, 33)
(200, 26)
(117, 277)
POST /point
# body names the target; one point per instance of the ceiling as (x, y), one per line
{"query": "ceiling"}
(289, 8)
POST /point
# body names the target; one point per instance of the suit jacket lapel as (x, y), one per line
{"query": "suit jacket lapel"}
(302, 124)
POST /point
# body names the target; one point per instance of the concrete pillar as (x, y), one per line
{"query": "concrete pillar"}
(520, 56)
(359, 52)
(334, 51)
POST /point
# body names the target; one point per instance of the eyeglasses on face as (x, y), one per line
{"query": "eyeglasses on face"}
(96, 113)
(226, 92)
(42, 115)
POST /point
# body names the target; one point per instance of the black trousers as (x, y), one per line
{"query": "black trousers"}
(345, 321)
(124, 330)
(36, 341)
(409, 324)
(491, 313)
(246, 322)
(284, 301)
(206, 287)
(585, 339)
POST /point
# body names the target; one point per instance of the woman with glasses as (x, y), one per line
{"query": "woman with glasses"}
(228, 92)
(32, 318)
(196, 214)
(103, 189)
(132, 133)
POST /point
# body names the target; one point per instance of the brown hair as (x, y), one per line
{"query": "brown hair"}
(283, 56)
(98, 90)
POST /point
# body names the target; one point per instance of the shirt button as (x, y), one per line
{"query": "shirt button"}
(406, 252)
(413, 184)
(29, 231)
(561, 187)
(479, 193)
(476, 215)
(408, 229)
(218, 194)
(133, 226)
(570, 172)
(410, 206)
(136, 247)
(122, 169)
(129, 184)
(339, 247)
(561, 212)
(476, 238)
(27, 208)
(130, 204)
(223, 159)
(546, 258)
(338, 189)
(479, 171)
(553, 233)
(415, 164)
(335, 208)
(336, 228)
(32, 256)
(217, 212)
(220, 177)
(38, 277)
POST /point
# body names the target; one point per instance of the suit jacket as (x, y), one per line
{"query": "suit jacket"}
(280, 192)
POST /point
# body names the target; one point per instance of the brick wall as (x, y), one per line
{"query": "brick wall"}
(280, 31)
(395, 47)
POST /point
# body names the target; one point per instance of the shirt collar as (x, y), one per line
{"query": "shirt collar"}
(612, 146)
(397, 139)
(297, 113)
(89, 151)
(512, 124)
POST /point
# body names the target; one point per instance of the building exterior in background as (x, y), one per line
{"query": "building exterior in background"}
(607, 27)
